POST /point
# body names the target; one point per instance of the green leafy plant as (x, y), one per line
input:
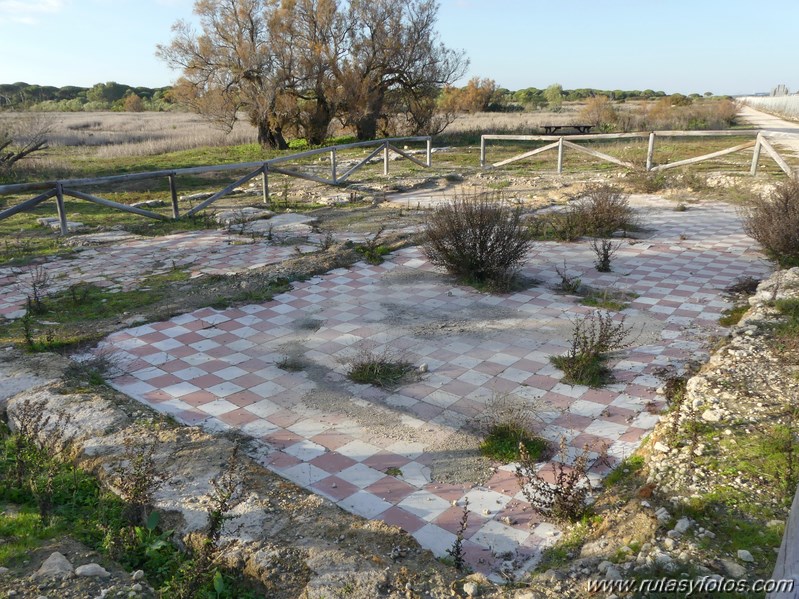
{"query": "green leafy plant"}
(604, 249)
(456, 552)
(371, 250)
(593, 337)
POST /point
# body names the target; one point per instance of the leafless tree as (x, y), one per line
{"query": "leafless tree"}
(22, 137)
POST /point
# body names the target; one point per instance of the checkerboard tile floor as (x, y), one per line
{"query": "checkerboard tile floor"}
(221, 369)
(124, 265)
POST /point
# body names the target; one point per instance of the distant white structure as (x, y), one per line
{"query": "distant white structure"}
(780, 90)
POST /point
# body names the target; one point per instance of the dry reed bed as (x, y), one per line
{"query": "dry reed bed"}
(121, 134)
(785, 106)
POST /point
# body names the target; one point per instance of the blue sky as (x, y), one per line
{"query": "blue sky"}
(723, 46)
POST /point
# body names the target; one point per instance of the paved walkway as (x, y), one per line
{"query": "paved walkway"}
(784, 133)
(375, 452)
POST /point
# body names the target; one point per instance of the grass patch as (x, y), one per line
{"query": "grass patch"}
(608, 299)
(22, 531)
(19, 250)
(260, 293)
(562, 552)
(502, 444)
(24, 240)
(626, 470)
(733, 527)
(379, 371)
(589, 369)
(606, 303)
(45, 496)
(65, 310)
(382, 369)
(790, 309)
(732, 316)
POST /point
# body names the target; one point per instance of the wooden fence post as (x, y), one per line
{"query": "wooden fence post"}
(482, 151)
(59, 202)
(787, 566)
(385, 159)
(429, 152)
(650, 152)
(333, 165)
(265, 183)
(173, 192)
(560, 156)
(755, 157)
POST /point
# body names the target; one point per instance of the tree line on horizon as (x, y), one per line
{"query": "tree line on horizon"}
(73, 98)
(477, 95)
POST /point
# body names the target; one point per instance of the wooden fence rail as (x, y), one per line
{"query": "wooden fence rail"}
(67, 187)
(560, 143)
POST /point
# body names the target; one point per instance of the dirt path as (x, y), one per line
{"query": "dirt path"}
(783, 133)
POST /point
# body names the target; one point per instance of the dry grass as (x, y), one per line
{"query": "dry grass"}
(774, 222)
(120, 134)
(514, 122)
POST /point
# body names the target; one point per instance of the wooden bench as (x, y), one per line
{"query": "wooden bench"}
(550, 129)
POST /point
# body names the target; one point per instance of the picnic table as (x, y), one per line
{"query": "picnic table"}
(550, 129)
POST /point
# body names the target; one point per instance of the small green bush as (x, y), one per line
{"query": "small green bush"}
(593, 338)
(649, 182)
(604, 249)
(599, 211)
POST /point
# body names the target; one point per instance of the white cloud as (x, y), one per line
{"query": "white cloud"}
(28, 12)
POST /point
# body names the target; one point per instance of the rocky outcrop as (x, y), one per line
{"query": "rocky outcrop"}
(292, 542)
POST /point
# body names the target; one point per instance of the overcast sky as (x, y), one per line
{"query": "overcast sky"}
(723, 46)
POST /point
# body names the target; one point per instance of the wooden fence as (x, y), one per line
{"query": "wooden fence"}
(59, 189)
(561, 143)
(787, 566)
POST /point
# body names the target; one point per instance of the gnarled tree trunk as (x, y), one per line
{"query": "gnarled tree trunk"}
(270, 137)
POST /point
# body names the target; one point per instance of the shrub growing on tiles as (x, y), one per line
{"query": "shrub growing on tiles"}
(481, 239)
